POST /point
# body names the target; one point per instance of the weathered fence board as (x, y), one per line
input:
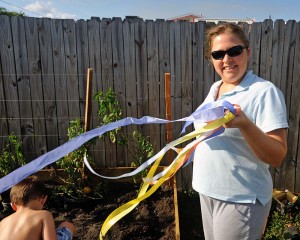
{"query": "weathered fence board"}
(72, 77)
(294, 117)
(198, 61)
(153, 81)
(141, 69)
(119, 84)
(3, 116)
(209, 72)
(164, 67)
(186, 85)
(23, 82)
(47, 73)
(95, 45)
(176, 73)
(140, 39)
(130, 89)
(82, 60)
(277, 77)
(3, 119)
(107, 76)
(36, 87)
(61, 86)
(10, 85)
(266, 49)
(93, 29)
(43, 72)
(288, 62)
(278, 50)
(255, 42)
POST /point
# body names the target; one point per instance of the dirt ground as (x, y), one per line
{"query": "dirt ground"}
(152, 219)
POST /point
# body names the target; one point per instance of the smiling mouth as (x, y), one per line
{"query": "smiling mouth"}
(229, 67)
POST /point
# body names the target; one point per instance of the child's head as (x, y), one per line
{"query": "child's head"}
(28, 189)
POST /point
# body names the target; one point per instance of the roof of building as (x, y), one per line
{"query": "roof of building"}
(196, 18)
(186, 16)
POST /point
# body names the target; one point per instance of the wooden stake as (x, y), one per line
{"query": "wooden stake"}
(168, 110)
(168, 117)
(88, 101)
(172, 181)
(88, 106)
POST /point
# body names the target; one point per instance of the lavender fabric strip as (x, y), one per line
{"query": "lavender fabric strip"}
(208, 113)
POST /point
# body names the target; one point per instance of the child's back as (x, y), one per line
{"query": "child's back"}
(28, 224)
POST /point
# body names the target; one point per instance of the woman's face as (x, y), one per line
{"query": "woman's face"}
(230, 69)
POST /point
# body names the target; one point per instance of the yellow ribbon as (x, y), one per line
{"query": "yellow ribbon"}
(182, 156)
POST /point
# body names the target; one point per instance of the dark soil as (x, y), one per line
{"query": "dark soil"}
(152, 219)
(190, 216)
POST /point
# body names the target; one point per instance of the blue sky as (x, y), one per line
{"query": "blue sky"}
(157, 9)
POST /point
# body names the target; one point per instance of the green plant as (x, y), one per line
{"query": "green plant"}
(76, 183)
(279, 224)
(297, 220)
(142, 152)
(12, 156)
(110, 111)
(276, 227)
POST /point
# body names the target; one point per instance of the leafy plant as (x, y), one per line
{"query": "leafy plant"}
(280, 223)
(76, 181)
(110, 111)
(142, 152)
(12, 156)
(276, 227)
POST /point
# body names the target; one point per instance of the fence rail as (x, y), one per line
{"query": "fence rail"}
(44, 63)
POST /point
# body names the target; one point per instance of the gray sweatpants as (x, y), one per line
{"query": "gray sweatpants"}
(233, 221)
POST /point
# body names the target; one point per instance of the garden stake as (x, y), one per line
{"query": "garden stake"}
(88, 105)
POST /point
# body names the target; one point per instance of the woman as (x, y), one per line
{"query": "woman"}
(231, 171)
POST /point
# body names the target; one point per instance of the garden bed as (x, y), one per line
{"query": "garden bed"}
(167, 214)
(153, 218)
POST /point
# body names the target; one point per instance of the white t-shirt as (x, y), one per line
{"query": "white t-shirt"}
(225, 167)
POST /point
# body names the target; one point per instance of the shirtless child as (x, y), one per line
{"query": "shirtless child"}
(30, 222)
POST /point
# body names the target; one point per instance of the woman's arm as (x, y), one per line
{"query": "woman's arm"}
(270, 147)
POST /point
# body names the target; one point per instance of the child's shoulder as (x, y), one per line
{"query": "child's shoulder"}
(37, 214)
(44, 213)
(8, 219)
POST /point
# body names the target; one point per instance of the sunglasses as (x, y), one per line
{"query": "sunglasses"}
(232, 52)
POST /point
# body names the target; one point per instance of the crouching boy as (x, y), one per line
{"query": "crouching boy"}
(30, 221)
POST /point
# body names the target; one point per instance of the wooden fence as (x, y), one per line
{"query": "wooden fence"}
(43, 71)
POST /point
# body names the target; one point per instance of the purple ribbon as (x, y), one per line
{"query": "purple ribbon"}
(206, 113)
